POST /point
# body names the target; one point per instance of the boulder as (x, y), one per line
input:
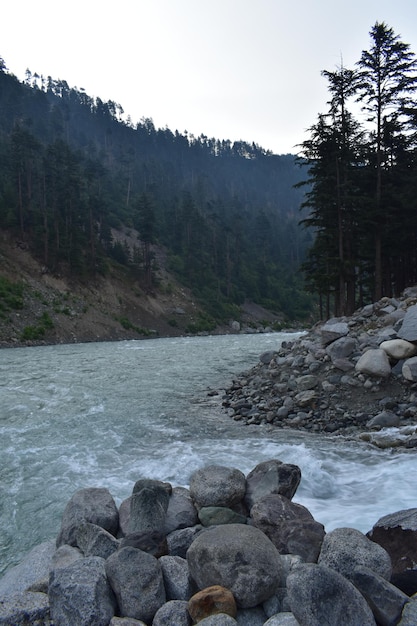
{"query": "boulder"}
(341, 348)
(397, 534)
(344, 549)
(272, 477)
(211, 601)
(24, 608)
(409, 369)
(333, 330)
(251, 617)
(95, 541)
(92, 504)
(33, 569)
(291, 527)
(215, 485)
(126, 621)
(177, 579)
(180, 540)
(238, 557)
(174, 612)
(385, 419)
(408, 330)
(181, 511)
(374, 362)
(385, 600)
(137, 582)
(399, 349)
(148, 507)
(221, 619)
(80, 594)
(319, 596)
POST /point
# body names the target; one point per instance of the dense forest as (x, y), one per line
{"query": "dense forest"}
(75, 169)
(362, 200)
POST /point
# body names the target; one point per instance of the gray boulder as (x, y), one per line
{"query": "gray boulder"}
(126, 621)
(333, 330)
(95, 541)
(397, 534)
(216, 485)
(32, 570)
(180, 540)
(374, 362)
(385, 600)
(341, 348)
(174, 612)
(80, 594)
(238, 557)
(177, 579)
(385, 419)
(272, 477)
(251, 617)
(137, 581)
(181, 511)
(409, 369)
(399, 349)
(94, 505)
(24, 608)
(291, 527)
(64, 556)
(345, 549)
(148, 507)
(408, 330)
(320, 596)
(151, 541)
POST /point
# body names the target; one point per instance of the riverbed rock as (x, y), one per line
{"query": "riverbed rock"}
(333, 330)
(95, 541)
(291, 527)
(80, 594)
(92, 504)
(177, 580)
(238, 557)
(269, 477)
(211, 601)
(33, 570)
(374, 362)
(181, 511)
(344, 549)
(151, 541)
(174, 612)
(397, 534)
(148, 506)
(319, 595)
(213, 515)
(409, 369)
(24, 608)
(385, 600)
(399, 349)
(408, 330)
(215, 485)
(137, 582)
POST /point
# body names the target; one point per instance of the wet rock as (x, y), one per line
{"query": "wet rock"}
(397, 534)
(272, 477)
(344, 549)
(211, 601)
(320, 595)
(215, 485)
(80, 594)
(137, 582)
(238, 557)
(94, 505)
(291, 527)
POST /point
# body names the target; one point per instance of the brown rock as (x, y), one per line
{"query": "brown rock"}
(211, 601)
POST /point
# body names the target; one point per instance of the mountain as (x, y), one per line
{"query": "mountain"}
(88, 195)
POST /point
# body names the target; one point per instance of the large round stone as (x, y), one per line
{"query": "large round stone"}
(215, 485)
(238, 557)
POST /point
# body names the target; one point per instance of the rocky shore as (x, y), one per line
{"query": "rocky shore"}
(352, 376)
(230, 549)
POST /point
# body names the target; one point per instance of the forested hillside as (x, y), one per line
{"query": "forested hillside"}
(74, 169)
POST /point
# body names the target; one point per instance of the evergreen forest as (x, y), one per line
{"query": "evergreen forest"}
(362, 177)
(75, 169)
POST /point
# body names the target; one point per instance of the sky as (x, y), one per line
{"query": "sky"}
(231, 69)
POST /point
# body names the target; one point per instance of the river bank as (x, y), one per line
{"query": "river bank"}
(352, 376)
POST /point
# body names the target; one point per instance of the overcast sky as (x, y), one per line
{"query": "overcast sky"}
(230, 69)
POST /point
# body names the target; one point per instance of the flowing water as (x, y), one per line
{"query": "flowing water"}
(106, 414)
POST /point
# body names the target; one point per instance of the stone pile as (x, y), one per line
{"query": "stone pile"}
(354, 376)
(230, 550)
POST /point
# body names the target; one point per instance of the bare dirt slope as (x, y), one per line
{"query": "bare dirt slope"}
(106, 308)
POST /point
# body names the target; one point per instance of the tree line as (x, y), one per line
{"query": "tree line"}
(75, 169)
(362, 159)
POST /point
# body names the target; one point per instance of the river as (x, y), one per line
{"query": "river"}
(107, 414)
